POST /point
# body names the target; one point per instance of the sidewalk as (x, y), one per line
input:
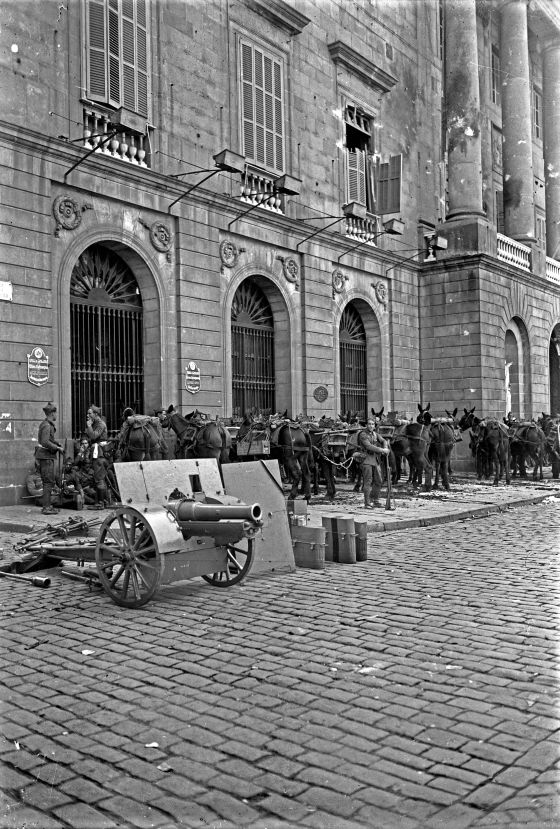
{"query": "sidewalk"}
(467, 499)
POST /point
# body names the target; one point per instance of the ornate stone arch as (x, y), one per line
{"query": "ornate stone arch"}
(517, 359)
(157, 298)
(284, 301)
(376, 325)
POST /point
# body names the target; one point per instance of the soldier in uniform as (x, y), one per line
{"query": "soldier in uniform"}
(46, 452)
(374, 446)
(96, 431)
(162, 452)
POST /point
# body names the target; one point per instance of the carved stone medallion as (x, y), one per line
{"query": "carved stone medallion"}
(381, 293)
(228, 253)
(291, 270)
(338, 281)
(67, 213)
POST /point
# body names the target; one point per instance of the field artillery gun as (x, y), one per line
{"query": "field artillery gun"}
(174, 522)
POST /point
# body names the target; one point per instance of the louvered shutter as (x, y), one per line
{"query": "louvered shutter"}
(499, 211)
(262, 107)
(356, 176)
(114, 54)
(97, 76)
(389, 186)
(118, 53)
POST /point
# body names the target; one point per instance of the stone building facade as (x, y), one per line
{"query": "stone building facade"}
(311, 205)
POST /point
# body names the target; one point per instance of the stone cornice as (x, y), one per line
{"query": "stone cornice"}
(372, 75)
(281, 14)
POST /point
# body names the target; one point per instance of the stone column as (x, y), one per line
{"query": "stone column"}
(463, 110)
(519, 203)
(551, 129)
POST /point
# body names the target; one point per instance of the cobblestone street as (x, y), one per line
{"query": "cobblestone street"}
(416, 690)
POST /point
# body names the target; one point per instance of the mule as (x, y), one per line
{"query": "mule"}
(138, 439)
(198, 437)
(412, 441)
(328, 442)
(551, 429)
(439, 452)
(494, 439)
(527, 443)
(291, 446)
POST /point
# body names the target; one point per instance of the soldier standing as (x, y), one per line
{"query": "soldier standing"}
(96, 430)
(46, 452)
(371, 442)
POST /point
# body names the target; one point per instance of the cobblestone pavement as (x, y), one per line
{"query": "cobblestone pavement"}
(417, 689)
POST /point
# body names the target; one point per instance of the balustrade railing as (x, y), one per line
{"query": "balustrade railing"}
(363, 230)
(125, 145)
(553, 270)
(513, 252)
(258, 188)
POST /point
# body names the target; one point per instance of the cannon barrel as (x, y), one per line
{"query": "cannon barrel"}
(187, 511)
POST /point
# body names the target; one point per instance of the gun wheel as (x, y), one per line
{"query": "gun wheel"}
(238, 563)
(129, 564)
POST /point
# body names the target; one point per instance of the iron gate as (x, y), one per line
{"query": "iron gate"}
(353, 363)
(252, 341)
(106, 323)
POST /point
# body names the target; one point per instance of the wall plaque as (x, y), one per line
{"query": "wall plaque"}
(38, 367)
(320, 394)
(192, 378)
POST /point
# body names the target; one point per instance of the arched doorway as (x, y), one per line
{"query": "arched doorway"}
(554, 371)
(252, 350)
(353, 362)
(106, 336)
(517, 380)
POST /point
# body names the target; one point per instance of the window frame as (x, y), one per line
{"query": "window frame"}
(105, 98)
(243, 41)
(495, 76)
(537, 112)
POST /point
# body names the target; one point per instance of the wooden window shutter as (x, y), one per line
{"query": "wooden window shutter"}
(118, 53)
(356, 176)
(97, 75)
(262, 111)
(114, 54)
(499, 211)
(389, 185)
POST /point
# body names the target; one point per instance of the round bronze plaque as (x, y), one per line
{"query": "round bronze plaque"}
(320, 394)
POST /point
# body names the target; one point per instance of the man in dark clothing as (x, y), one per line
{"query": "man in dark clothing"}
(374, 446)
(46, 452)
(96, 431)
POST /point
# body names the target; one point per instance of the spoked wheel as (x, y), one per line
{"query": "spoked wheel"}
(128, 561)
(238, 564)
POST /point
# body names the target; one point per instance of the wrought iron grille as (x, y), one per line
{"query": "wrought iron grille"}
(106, 323)
(252, 340)
(353, 363)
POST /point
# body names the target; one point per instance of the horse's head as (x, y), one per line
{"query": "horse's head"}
(452, 414)
(423, 416)
(377, 415)
(467, 419)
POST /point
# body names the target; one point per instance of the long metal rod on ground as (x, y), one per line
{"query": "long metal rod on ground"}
(36, 581)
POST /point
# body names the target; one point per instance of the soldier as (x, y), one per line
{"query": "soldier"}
(371, 442)
(46, 452)
(96, 431)
(162, 452)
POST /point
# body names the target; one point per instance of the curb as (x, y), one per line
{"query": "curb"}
(464, 515)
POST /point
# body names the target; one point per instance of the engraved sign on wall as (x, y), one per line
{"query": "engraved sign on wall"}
(192, 377)
(37, 367)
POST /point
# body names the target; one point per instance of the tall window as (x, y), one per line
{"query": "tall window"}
(117, 51)
(496, 77)
(371, 183)
(252, 350)
(353, 362)
(106, 329)
(537, 113)
(262, 107)
(500, 227)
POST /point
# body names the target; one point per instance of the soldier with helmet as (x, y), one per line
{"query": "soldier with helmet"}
(46, 452)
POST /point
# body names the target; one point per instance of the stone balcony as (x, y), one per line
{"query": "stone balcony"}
(127, 143)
